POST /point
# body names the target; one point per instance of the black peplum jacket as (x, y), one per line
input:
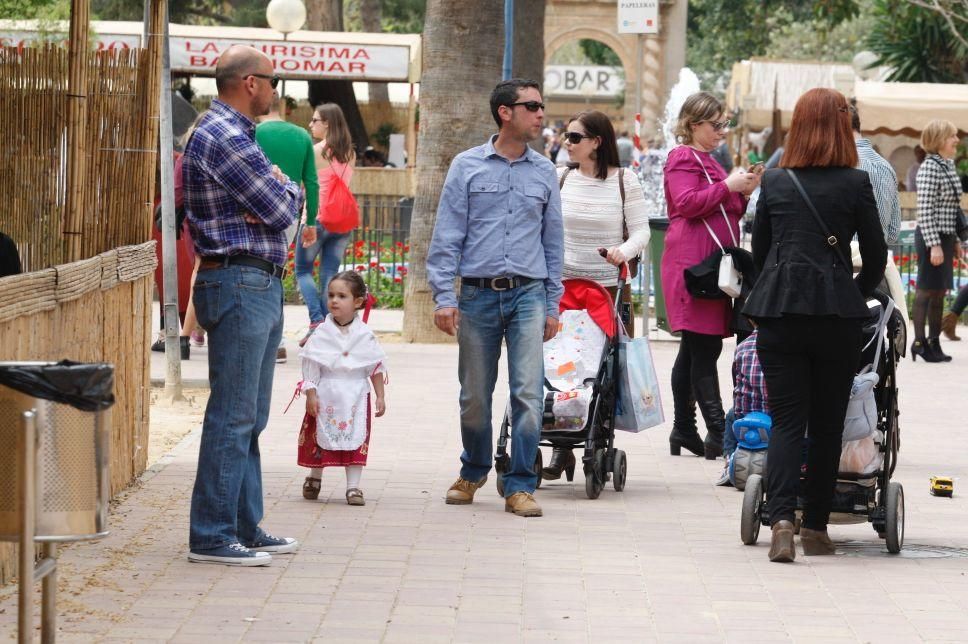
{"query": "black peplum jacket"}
(799, 273)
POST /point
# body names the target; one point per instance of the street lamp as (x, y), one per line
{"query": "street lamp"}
(286, 16)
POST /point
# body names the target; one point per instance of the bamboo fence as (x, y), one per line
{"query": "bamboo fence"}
(77, 201)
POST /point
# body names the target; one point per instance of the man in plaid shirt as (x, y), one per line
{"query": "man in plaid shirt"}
(749, 395)
(239, 207)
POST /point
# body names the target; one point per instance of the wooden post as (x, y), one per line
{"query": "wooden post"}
(77, 153)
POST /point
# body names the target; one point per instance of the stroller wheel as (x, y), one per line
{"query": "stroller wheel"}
(500, 467)
(894, 524)
(749, 527)
(619, 470)
(595, 476)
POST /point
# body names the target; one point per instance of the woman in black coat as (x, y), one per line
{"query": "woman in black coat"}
(810, 308)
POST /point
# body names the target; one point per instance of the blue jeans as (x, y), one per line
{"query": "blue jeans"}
(241, 309)
(487, 317)
(729, 437)
(329, 247)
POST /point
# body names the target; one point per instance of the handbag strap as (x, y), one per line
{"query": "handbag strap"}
(831, 239)
(879, 336)
(721, 209)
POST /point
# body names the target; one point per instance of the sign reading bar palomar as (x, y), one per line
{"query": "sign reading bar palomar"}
(198, 55)
(298, 59)
(638, 16)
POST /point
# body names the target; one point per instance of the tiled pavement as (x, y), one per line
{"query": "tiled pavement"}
(661, 561)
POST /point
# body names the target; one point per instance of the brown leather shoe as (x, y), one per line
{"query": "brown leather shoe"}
(948, 325)
(781, 545)
(522, 504)
(462, 491)
(816, 542)
(311, 488)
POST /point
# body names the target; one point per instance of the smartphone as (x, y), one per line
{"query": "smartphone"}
(758, 168)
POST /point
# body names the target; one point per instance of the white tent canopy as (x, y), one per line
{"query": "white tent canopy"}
(905, 108)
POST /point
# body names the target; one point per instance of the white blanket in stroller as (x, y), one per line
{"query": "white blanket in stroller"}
(570, 358)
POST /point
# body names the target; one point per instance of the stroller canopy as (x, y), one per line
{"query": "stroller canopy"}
(581, 294)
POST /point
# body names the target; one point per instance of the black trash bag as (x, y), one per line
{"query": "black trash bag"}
(82, 385)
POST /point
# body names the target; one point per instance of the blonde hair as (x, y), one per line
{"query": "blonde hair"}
(701, 106)
(934, 134)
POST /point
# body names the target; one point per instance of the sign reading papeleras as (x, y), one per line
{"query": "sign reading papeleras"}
(638, 16)
(298, 59)
(586, 81)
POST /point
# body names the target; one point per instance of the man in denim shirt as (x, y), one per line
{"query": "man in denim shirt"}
(499, 228)
(239, 207)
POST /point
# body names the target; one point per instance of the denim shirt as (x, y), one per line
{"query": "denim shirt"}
(497, 218)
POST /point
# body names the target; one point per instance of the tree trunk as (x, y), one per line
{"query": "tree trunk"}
(327, 15)
(528, 56)
(371, 14)
(462, 63)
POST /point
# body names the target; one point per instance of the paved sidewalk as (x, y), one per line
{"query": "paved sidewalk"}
(661, 561)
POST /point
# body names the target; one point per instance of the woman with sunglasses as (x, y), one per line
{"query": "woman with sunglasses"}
(701, 198)
(601, 206)
(335, 158)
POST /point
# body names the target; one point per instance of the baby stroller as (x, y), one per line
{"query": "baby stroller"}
(581, 376)
(866, 492)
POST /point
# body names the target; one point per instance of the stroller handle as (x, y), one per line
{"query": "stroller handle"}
(623, 274)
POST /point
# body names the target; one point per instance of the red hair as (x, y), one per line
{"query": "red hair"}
(820, 134)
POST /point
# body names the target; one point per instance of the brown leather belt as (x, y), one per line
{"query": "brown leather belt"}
(224, 261)
(497, 283)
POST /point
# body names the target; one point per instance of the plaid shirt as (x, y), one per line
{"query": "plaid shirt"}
(749, 386)
(939, 197)
(884, 182)
(226, 175)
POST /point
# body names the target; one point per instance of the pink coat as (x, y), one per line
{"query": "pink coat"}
(690, 198)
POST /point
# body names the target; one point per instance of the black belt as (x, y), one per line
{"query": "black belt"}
(224, 261)
(497, 283)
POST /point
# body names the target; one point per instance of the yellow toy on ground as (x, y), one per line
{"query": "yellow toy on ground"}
(942, 486)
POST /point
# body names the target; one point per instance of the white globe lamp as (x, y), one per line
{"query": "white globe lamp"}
(286, 16)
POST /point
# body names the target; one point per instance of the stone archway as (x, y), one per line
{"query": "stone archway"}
(661, 59)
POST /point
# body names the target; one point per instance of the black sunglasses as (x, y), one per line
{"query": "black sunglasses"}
(531, 106)
(273, 80)
(720, 125)
(575, 137)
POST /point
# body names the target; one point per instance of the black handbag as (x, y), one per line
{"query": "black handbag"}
(702, 280)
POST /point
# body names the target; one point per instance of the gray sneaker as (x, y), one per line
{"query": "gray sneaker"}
(278, 545)
(233, 554)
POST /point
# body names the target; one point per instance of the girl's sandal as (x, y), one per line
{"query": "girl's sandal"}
(354, 496)
(311, 488)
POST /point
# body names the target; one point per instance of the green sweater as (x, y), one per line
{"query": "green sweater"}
(291, 148)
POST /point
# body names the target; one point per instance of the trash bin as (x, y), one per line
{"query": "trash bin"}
(71, 416)
(658, 226)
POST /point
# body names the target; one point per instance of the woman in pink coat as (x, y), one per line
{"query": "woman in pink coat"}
(698, 192)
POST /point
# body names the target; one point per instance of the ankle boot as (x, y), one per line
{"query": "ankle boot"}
(562, 459)
(711, 406)
(816, 542)
(684, 432)
(948, 325)
(782, 549)
(921, 348)
(934, 345)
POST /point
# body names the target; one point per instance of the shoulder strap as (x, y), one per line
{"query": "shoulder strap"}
(831, 239)
(729, 226)
(561, 181)
(621, 190)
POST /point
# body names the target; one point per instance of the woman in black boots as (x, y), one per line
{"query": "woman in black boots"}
(810, 309)
(935, 239)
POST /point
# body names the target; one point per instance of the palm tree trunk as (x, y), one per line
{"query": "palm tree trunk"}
(528, 56)
(463, 42)
(371, 14)
(327, 15)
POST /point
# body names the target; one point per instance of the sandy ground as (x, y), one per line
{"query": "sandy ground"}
(170, 423)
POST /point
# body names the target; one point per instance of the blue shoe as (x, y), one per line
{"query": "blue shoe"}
(233, 554)
(268, 543)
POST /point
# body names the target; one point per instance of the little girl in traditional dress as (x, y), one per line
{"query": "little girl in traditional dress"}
(339, 361)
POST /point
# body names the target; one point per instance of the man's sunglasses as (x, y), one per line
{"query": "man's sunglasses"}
(531, 106)
(575, 137)
(273, 80)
